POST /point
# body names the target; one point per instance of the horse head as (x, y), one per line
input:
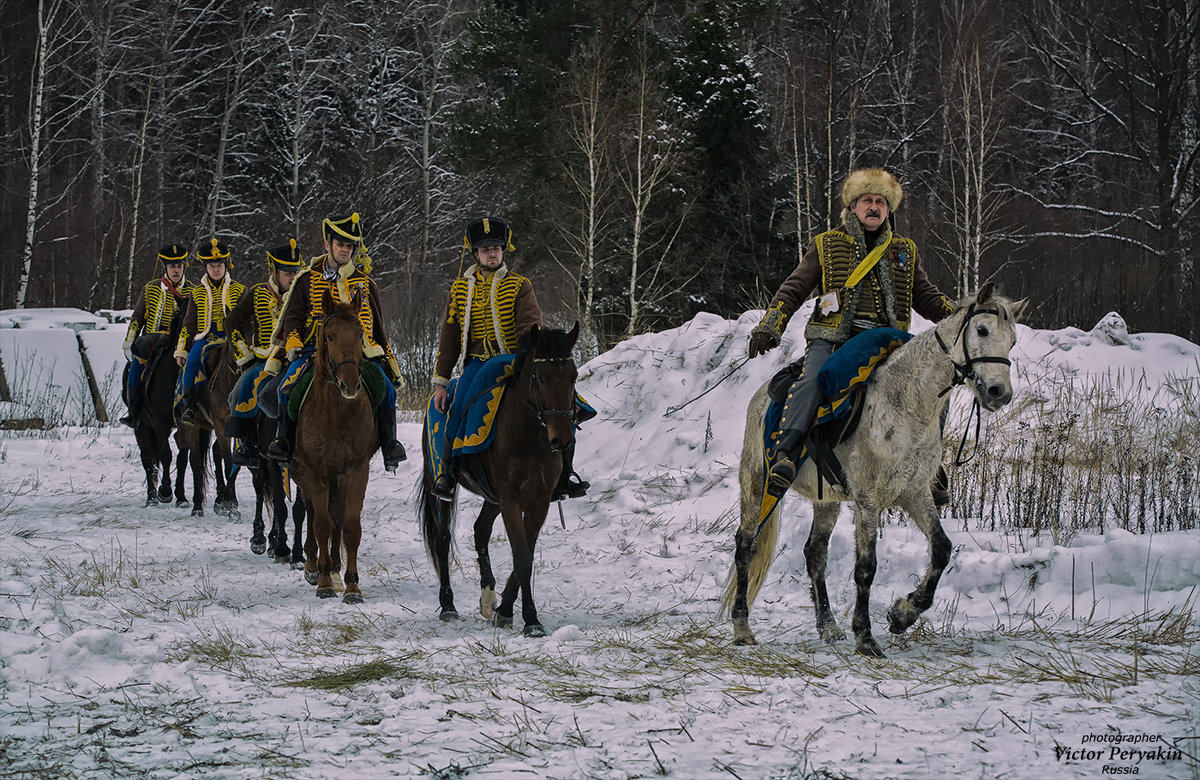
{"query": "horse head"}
(339, 348)
(984, 328)
(550, 387)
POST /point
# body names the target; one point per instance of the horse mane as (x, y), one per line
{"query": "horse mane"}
(555, 343)
(1009, 309)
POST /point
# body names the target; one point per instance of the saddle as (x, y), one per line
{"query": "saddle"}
(843, 381)
(372, 377)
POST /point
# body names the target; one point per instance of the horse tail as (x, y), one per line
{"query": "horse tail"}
(428, 510)
(764, 534)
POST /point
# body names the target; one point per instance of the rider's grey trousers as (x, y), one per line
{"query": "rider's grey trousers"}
(803, 397)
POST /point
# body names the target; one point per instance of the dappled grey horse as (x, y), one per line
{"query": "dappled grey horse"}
(889, 462)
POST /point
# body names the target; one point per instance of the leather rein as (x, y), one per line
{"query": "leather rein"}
(538, 405)
(964, 372)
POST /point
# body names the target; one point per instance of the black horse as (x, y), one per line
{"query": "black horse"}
(155, 421)
(270, 495)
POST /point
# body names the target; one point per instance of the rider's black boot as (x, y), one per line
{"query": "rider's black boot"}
(392, 450)
(570, 484)
(281, 448)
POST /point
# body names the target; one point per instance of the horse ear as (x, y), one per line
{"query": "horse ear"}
(535, 336)
(985, 293)
(1018, 309)
(573, 334)
(327, 301)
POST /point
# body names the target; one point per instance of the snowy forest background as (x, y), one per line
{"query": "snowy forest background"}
(656, 158)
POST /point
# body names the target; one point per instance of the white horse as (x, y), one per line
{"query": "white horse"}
(889, 461)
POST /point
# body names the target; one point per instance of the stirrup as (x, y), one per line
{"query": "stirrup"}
(443, 486)
(239, 454)
(783, 474)
(571, 485)
(278, 450)
(393, 455)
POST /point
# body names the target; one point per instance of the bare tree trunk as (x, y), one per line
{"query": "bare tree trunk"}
(137, 197)
(232, 99)
(37, 96)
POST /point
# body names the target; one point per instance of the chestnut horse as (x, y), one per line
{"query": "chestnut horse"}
(335, 439)
(516, 476)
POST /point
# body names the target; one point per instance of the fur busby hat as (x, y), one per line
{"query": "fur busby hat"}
(286, 257)
(173, 253)
(489, 231)
(214, 252)
(347, 228)
(871, 180)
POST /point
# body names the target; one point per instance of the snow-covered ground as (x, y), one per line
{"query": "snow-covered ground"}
(146, 642)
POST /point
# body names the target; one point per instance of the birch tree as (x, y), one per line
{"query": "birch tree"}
(60, 41)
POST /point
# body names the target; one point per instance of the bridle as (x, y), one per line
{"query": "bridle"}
(965, 371)
(333, 367)
(538, 406)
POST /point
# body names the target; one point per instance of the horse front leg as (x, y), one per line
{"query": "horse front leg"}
(312, 553)
(299, 513)
(279, 512)
(198, 463)
(743, 554)
(181, 464)
(487, 580)
(816, 557)
(164, 470)
(866, 525)
(351, 527)
(532, 520)
(905, 611)
(258, 539)
(322, 529)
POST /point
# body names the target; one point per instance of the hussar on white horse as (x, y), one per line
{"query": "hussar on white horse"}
(889, 461)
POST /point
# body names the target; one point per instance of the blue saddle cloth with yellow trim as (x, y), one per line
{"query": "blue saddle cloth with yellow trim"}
(476, 421)
(846, 370)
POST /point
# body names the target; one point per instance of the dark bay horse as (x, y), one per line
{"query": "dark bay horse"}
(335, 439)
(889, 461)
(270, 497)
(207, 434)
(516, 476)
(152, 429)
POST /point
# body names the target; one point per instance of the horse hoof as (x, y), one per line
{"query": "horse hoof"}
(182, 503)
(534, 630)
(282, 558)
(257, 547)
(297, 565)
(151, 501)
(352, 598)
(869, 648)
(310, 577)
(745, 641)
(448, 615)
(198, 512)
(326, 593)
(500, 621)
(164, 496)
(830, 631)
(901, 616)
